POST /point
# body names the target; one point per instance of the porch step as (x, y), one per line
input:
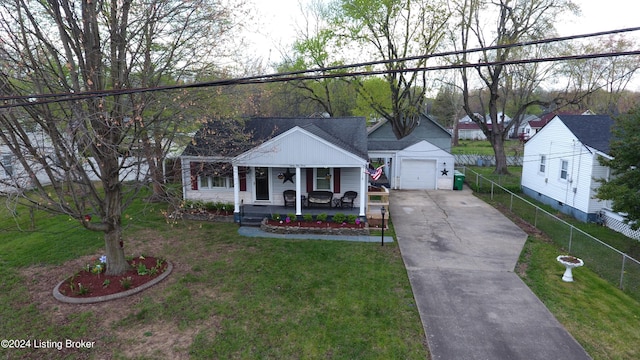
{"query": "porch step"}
(252, 220)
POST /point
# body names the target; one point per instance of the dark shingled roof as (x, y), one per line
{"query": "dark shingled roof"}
(591, 130)
(215, 137)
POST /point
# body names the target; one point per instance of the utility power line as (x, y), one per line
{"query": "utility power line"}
(335, 71)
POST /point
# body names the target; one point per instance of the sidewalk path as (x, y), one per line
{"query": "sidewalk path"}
(460, 254)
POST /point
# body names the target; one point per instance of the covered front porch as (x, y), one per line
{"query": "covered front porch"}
(311, 168)
(253, 214)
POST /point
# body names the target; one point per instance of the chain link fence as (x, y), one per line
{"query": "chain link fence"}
(616, 267)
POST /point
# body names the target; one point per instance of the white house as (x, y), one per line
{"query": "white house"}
(273, 155)
(470, 131)
(420, 160)
(561, 164)
(15, 178)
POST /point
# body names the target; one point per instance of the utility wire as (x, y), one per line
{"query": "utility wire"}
(331, 72)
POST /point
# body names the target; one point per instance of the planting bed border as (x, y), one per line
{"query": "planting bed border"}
(89, 300)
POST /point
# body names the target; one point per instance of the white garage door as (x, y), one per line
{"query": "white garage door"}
(418, 174)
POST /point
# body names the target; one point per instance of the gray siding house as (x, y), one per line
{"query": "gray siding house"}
(421, 160)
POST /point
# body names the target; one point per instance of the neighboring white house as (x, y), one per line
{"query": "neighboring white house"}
(15, 178)
(421, 160)
(470, 131)
(561, 164)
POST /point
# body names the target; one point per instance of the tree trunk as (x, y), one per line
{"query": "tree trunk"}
(501, 157)
(157, 180)
(112, 219)
(116, 262)
(455, 138)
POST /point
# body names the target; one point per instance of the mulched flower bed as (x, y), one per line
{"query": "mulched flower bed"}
(99, 284)
(315, 224)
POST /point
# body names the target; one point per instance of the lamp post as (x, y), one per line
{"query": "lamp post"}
(382, 211)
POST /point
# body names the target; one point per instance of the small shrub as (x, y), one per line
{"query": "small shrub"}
(339, 218)
(126, 282)
(106, 283)
(321, 217)
(210, 206)
(275, 217)
(82, 290)
(292, 216)
(142, 269)
(351, 219)
(221, 206)
(307, 217)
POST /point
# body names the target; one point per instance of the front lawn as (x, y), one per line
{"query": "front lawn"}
(602, 318)
(228, 296)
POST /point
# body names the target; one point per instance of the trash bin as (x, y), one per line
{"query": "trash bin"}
(479, 162)
(458, 180)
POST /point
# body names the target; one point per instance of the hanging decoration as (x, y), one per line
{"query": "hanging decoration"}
(375, 173)
(286, 176)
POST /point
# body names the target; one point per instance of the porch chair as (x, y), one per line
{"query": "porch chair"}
(348, 198)
(289, 197)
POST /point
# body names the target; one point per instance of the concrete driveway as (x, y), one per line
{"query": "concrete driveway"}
(460, 254)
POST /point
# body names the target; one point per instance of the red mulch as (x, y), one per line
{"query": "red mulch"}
(314, 224)
(96, 282)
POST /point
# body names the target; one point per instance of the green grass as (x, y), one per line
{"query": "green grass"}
(229, 296)
(602, 260)
(243, 298)
(603, 319)
(483, 147)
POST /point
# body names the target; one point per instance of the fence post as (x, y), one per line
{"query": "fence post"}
(477, 182)
(492, 190)
(535, 219)
(570, 237)
(511, 203)
(624, 258)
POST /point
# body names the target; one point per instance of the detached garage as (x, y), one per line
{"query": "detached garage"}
(418, 174)
(419, 161)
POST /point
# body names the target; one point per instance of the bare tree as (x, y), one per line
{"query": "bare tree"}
(515, 21)
(76, 154)
(602, 81)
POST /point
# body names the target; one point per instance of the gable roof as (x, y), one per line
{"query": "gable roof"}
(591, 130)
(382, 138)
(229, 138)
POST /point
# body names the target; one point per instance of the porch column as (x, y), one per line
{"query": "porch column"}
(363, 190)
(298, 191)
(236, 194)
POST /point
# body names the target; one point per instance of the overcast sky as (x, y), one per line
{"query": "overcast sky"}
(279, 18)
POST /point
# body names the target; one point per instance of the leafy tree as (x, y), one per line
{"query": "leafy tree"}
(373, 29)
(83, 47)
(624, 185)
(390, 30)
(312, 50)
(374, 90)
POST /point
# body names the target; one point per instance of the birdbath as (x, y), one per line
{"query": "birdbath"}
(569, 262)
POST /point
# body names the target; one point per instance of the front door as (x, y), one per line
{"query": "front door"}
(262, 183)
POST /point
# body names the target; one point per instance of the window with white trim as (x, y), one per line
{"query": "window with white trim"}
(214, 182)
(564, 169)
(322, 179)
(543, 163)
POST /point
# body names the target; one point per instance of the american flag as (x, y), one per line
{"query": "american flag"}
(375, 173)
